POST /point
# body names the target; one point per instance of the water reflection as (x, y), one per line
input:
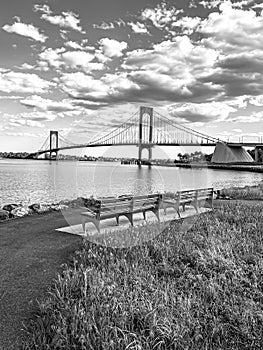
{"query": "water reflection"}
(43, 181)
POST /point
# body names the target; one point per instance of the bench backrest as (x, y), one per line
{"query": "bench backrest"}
(190, 195)
(205, 192)
(130, 202)
(187, 195)
(150, 199)
(107, 204)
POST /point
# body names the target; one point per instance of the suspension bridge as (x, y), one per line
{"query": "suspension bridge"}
(145, 129)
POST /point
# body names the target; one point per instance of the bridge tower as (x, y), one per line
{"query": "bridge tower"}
(53, 143)
(145, 131)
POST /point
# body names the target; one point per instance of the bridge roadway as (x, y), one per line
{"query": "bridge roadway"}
(211, 144)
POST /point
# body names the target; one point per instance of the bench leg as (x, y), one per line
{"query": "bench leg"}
(183, 205)
(83, 224)
(117, 220)
(177, 210)
(144, 215)
(156, 212)
(96, 223)
(195, 204)
(130, 218)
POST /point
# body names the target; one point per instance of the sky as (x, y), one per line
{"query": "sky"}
(81, 67)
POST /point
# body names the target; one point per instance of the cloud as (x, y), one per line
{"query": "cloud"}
(256, 100)
(59, 57)
(201, 112)
(160, 16)
(10, 97)
(254, 117)
(104, 26)
(112, 48)
(22, 122)
(17, 82)
(219, 27)
(109, 88)
(42, 8)
(26, 66)
(187, 24)
(138, 27)
(79, 46)
(67, 19)
(27, 30)
(43, 104)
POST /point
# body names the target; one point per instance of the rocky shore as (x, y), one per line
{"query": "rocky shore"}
(12, 211)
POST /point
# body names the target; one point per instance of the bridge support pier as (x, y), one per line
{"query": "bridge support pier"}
(145, 131)
(53, 144)
(149, 148)
(258, 154)
(225, 153)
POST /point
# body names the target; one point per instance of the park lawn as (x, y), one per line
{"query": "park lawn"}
(200, 288)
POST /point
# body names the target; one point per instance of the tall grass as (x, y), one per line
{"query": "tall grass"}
(201, 289)
(247, 192)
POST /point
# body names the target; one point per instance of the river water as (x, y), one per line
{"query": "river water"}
(30, 181)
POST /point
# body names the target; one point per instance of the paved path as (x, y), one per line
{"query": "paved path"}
(31, 254)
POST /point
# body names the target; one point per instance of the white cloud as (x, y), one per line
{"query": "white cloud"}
(42, 8)
(67, 19)
(256, 100)
(220, 26)
(15, 122)
(74, 45)
(110, 87)
(187, 24)
(27, 30)
(43, 104)
(202, 112)
(254, 117)
(23, 83)
(104, 26)
(160, 16)
(26, 66)
(120, 22)
(138, 27)
(112, 48)
(59, 57)
(10, 97)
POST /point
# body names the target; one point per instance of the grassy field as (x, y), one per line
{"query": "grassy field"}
(200, 289)
(247, 192)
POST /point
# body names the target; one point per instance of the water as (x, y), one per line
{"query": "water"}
(31, 181)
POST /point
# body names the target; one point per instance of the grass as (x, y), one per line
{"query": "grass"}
(247, 192)
(196, 289)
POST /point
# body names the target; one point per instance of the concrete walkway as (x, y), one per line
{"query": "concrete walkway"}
(31, 254)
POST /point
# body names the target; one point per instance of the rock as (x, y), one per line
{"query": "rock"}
(10, 207)
(19, 212)
(4, 214)
(44, 208)
(58, 207)
(35, 207)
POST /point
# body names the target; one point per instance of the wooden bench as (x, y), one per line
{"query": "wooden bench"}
(123, 206)
(196, 198)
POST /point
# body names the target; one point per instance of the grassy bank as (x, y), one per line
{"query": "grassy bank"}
(247, 192)
(200, 289)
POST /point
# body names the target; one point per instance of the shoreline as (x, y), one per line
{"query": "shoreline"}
(236, 167)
